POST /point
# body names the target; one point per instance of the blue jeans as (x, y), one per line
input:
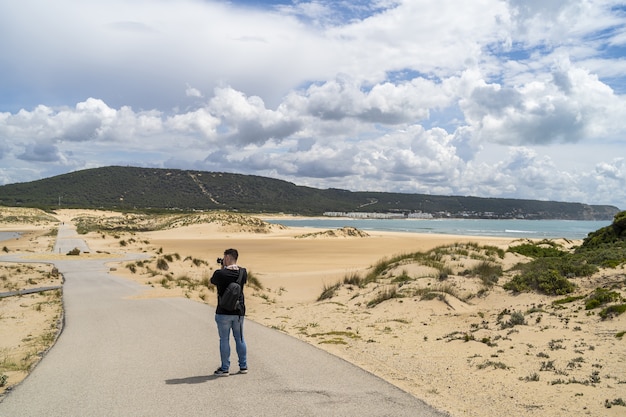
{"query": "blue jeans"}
(225, 323)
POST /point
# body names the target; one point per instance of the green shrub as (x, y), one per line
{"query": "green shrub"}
(612, 311)
(607, 255)
(534, 250)
(615, 233)
(548, 282)
(516, 319)
(600, 297)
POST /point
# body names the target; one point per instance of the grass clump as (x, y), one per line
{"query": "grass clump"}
(329, 291)
(387, 294)
(516, 318)
(353, 279)
(600, 297)
(543, 249)
(546, 281)
(488, 272)
(162, 264)
(254, 281)
(612, 311)
(568, 300)
(617, 401)
(495, 365)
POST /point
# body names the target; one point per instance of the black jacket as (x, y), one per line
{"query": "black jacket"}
(221, 278)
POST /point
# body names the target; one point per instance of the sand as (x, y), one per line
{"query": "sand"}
(454, 351)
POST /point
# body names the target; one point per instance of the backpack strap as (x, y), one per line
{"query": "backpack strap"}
(240, 277)
(239, 281)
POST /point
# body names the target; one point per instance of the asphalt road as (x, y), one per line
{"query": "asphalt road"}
(119, 355)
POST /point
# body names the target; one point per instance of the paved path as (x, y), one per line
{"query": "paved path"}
(120, 355)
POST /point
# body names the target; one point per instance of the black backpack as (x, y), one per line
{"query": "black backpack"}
(230, 300)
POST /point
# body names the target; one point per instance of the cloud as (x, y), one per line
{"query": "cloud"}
(193, 92)
(568, 105)
(40, 153)
(509, 98)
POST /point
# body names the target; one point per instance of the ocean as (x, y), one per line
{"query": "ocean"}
(548, 229)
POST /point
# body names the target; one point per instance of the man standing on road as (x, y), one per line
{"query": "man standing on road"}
(228, 320)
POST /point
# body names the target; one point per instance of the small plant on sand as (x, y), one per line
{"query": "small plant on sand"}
(403, 277)
(534, 377)
(253, 281)
(495, 365)
(162, 264)
(567, 300)
(387, 294)
(556, 344)
(617, 401)
(328, 292)
(516, 319)
(74, 252)
(353, 279)
(3, 379)
(488, 272)
(541, 279)
(600, 297)
(198, 262)
(612, 311)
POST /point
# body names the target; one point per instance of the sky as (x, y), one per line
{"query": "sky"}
(490, 98)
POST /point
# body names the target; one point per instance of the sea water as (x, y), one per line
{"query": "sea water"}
(548, 229)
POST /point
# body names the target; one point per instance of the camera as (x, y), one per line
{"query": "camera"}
(220, 261)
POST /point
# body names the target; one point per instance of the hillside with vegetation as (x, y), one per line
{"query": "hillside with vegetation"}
(130, 188)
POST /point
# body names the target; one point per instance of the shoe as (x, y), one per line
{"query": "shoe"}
(221, 372)
(243, 370)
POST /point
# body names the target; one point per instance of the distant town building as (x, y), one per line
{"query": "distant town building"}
(374, 215)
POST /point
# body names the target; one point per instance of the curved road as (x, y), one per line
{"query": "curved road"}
(123, 356)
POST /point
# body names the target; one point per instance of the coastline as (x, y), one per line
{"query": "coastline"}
(507, 228)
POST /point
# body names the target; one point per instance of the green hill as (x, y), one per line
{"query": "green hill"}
(129, 188)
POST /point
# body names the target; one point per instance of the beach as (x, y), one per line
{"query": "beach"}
(456, 349)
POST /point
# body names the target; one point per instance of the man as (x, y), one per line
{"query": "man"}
(228, 320)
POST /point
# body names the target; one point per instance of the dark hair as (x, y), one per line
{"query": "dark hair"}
(232, 252)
